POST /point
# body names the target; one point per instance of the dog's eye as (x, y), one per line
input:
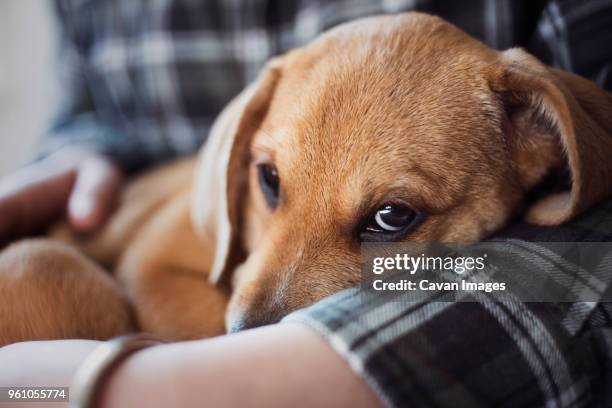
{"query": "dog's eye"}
(391, 218)
(269, 183)
(389, 222)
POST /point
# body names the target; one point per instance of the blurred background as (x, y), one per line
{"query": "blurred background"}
(27, 41)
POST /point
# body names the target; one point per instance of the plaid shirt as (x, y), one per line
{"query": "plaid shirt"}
(144, 79)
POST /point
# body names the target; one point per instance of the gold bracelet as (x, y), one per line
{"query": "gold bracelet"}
(98, 365)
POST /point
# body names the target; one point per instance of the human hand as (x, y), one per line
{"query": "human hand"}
(83, 183)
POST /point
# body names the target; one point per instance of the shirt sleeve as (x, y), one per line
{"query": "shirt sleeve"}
(487, 352)
(77, 121)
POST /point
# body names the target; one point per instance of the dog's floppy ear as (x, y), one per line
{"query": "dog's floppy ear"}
(221, 177)
(555, 119)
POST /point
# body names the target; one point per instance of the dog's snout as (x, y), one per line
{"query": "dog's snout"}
(253, 320)
(238, 325)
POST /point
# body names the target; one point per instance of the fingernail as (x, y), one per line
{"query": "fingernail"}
(81, 208)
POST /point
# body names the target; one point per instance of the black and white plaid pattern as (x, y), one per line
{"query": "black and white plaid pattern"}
(490, 352)
(142, 80)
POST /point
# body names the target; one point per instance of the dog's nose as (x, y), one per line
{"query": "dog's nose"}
(253, 320)
(238, 326)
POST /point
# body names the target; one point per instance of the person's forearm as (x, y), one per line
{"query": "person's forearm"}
(281, 365)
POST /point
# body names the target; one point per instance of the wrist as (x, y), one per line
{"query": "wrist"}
(95, 373)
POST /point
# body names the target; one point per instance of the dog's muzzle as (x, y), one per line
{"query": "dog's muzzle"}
(247, 321)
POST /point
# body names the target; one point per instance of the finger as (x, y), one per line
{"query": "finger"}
(33, 197)
(92, 200)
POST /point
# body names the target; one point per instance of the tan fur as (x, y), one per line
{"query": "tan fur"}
(398, 108)
(49, 290)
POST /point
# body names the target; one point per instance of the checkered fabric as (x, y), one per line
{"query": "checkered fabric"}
(492, 351)
(142, 80)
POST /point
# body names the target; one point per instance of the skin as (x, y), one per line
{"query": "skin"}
(81, 183)
(274, 366)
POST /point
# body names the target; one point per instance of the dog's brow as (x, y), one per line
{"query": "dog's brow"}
(265, 132)
(268, 144)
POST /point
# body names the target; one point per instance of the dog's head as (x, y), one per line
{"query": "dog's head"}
(395, 128)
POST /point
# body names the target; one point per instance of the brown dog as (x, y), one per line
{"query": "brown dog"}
(396, 128)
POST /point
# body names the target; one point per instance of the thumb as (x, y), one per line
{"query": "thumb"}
(93, 197)
(33, 197)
